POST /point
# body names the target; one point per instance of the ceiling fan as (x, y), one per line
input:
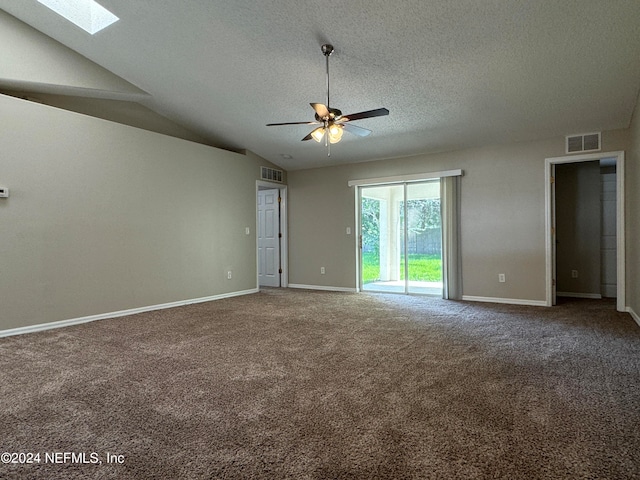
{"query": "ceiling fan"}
(331, 120)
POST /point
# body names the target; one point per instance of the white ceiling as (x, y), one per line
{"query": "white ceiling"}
(453, 73)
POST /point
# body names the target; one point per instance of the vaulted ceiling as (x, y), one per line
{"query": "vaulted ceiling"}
(453, 73)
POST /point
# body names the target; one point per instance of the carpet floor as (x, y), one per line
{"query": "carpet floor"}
(326, 385)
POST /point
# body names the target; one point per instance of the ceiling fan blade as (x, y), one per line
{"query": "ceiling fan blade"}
(292, 123)
(379, 112)
(310, 136)
(321, 110)
(361, 132)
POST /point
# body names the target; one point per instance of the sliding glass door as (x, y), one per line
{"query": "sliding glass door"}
(401, 238)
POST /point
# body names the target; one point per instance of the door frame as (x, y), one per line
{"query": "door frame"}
(284, 243)
(549, 170)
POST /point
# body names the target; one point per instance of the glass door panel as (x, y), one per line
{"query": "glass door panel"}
(382, 238)
(424, 238)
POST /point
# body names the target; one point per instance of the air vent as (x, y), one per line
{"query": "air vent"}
(585, 142)
(271, 174)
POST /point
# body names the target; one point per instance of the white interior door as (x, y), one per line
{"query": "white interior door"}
(268, 238)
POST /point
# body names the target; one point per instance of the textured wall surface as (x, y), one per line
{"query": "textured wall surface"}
(103, 217)
(502, 216)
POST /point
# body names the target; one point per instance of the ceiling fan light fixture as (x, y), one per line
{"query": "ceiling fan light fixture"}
(335, 133)
(317, 134)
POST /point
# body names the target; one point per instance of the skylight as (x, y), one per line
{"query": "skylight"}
(87, 14)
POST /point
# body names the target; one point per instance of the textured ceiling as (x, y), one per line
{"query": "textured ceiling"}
(453, 73)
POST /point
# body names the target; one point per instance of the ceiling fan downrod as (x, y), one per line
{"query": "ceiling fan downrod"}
(327, 50)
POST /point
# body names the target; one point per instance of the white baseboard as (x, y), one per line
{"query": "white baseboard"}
(323, 287)
(634, 315)
(120, 313)
(510, 301)
(595, 296)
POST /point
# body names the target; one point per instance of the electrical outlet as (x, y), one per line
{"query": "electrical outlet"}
(321, 270)
(501, 278)
(229, 275)
(574, 273)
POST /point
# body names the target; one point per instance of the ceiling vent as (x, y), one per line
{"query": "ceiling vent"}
(585, 142)
(271, 174)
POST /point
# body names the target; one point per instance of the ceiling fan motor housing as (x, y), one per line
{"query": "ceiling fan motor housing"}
(334, 114)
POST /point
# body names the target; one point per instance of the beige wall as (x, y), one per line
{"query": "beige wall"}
(633, 215)
(502, 210)
(124, 112)
(103, 217)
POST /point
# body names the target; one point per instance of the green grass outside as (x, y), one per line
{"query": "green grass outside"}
(422, 268)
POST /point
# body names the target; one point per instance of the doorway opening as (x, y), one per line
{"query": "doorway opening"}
(271, 234)
(585, 227)
(401, 238)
